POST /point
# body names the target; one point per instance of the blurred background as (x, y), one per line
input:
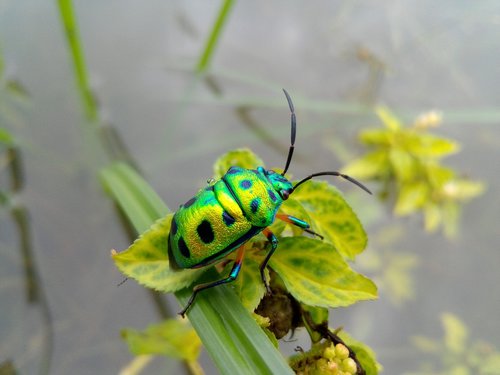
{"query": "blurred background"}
(86, 82)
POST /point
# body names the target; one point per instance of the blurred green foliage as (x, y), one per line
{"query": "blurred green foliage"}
(456, 353)
(406, 160)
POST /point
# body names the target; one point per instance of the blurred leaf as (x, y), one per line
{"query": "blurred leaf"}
(490, 365)
(242, 157)
(173, 338)
(455, 333)
(372, 165)
(332, 217)
(426, 344)
(6, 138)
(451, 216)
(316, 274)
(463, 189)
(428, 145)
(459, 370)
(146, 260)
(397, 276)
(15, 87)
(432, 216)
(404, 164)
(388, 119)
(411, 197)
(248, 285)
(378, 137)
(438, 175)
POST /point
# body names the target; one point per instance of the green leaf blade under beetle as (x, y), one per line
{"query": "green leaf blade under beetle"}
(135, 197)
(316, 274)
(332, 217)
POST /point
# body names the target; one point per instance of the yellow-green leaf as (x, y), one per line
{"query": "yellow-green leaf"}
(146, 260)
(173, 338)
(411, 197)
(316, 274)
(388, 119)
(372, 165)
(292, 207)
(242, 157)
(248, 285)
(332, 217)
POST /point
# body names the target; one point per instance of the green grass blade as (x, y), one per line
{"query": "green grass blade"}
(73, 37)
(209, 50)
(235, 342)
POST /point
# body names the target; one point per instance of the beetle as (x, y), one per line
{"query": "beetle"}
(223, 216)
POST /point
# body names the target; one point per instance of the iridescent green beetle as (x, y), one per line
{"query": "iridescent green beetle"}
(227, 213)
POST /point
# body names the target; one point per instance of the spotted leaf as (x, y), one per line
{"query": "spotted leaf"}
(332, 217)
(316, 274)
(146, 260)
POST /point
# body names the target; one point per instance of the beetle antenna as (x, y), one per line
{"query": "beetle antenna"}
(332, 173)
(293, 132)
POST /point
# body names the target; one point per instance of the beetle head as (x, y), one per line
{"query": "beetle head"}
(280, 184)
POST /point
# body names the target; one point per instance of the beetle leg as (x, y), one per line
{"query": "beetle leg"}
(298, 223)
(274, 244)
(232, 276)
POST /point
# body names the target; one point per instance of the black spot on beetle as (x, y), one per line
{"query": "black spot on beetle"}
(246, 184)
(228, 219)
(205, 231)
(209, 188)
(173, 227)
(181, 244)
(272, 195)
(254, 205)
(190, 202)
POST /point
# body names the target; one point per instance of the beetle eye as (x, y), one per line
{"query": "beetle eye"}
(285, 194)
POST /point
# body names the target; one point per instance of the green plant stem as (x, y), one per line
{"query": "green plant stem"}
(204, 61)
